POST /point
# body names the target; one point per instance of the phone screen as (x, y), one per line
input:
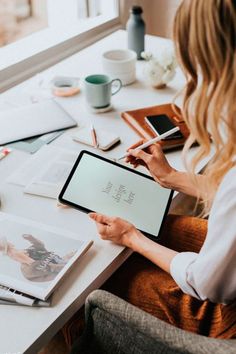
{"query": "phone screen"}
(161, 124)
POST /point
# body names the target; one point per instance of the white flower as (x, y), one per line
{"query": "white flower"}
(168, 76)
(153, 72)
(166, 57)
(161, 68)
(146, 55)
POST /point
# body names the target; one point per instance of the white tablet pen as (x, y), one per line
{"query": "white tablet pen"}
(152, 141)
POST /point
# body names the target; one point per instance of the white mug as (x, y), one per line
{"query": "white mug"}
(120, 63)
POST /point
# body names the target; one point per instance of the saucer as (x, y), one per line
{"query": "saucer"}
(101, 110)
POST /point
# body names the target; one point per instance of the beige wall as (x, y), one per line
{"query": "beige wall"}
(158, 14)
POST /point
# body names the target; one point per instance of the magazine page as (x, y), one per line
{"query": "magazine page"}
(45, 172)
(49, 182)
(34, 257)
(23, 175)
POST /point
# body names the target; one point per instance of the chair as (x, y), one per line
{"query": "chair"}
(114, 326)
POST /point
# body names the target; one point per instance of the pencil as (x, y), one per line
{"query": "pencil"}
(94, 136)
(152, 141)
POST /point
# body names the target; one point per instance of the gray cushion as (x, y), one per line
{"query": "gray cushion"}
(115, 326)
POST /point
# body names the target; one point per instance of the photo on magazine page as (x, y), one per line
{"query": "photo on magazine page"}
(33, 258)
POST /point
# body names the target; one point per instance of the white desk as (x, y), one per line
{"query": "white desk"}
(26, 330)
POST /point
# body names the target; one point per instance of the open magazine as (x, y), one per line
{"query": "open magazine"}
(35, 257)
(45, 173)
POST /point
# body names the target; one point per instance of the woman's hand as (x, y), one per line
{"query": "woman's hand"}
(125, 234)
(116, 229)
(155, 161)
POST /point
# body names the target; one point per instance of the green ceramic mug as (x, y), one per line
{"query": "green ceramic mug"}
(99, 89)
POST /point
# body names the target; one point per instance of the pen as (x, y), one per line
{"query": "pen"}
(152, 141)
(94, 136)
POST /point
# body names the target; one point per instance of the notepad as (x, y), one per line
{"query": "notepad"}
(33, 120)
(105, 138)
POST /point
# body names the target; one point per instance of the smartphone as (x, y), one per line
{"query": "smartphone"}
(161, 124)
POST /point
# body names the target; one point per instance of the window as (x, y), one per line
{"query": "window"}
(52, 28)
(18, 18)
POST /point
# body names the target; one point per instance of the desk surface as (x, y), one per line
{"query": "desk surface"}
(28, 329)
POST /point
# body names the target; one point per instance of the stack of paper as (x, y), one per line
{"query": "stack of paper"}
(10, 296)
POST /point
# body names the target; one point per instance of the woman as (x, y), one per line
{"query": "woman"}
(37, 264)
(200, 283)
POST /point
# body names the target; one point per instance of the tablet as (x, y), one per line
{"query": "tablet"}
(104, 186)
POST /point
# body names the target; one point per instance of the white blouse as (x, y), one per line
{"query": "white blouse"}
(211, 273)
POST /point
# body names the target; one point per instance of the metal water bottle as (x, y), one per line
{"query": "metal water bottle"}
(136, 30)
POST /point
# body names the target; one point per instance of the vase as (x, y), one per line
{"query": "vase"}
(159, 86)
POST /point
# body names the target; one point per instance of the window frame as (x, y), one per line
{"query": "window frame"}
(59, 46)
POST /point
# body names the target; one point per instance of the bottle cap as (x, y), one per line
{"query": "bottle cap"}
(136, 10)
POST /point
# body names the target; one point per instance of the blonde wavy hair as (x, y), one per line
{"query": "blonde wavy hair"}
(205, 39)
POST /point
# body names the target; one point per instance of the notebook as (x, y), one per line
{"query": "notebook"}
(136, 120)
(105, 139)
(33, 120)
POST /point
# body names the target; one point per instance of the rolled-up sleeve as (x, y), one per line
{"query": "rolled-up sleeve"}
(211, 274)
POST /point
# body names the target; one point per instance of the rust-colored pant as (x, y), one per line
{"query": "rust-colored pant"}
(146, 286)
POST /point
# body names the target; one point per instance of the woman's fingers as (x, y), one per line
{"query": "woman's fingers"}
(102, 222)
(155, 148)
(133, 160)
(140, 154)
(102, 230)
(100, 218)
(138, 143)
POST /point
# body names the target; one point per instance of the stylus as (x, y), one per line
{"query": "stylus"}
(152, 141)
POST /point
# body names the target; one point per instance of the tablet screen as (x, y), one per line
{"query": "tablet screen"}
(98, 184)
